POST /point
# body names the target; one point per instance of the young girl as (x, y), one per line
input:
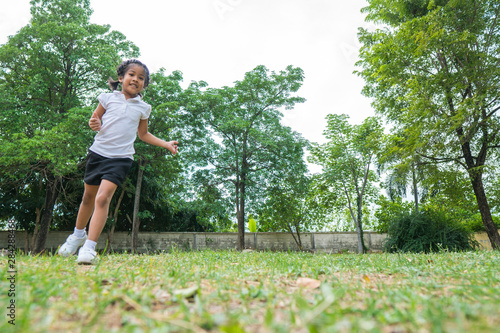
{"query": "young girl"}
(123, 114)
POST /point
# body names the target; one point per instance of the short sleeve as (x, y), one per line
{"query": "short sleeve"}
(146, 112)
(104, 99)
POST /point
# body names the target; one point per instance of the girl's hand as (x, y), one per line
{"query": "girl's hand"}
(95, 122)
(172, 146)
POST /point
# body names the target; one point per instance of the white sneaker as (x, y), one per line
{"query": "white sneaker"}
(86, 256)
(71, 245)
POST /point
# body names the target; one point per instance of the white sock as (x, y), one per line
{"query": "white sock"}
(90, 244)
(80, 233)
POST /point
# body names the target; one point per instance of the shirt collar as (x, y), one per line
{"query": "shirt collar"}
(135, 99)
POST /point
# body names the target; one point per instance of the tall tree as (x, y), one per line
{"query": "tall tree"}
(433, 72)
(348, 160)
(246, 145)
(164, 95)
(56, 63)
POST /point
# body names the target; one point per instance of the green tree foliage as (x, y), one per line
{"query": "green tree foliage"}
(404, 171)
(49, 70)
(388, 210)
(245, 146)
(475, 224)
(164, 96)
(433, 72)
(347, 159)
(286, 207)
(428, 231)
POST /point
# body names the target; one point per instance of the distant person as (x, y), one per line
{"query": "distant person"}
(123, 115)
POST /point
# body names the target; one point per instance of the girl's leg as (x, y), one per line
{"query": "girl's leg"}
(77, 238)
(101, 208)
(87, 206)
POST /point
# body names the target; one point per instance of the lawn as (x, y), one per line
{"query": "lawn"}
(228, 291)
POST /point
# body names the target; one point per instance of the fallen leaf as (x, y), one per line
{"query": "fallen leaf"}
(253, 283)
(105, 282)
(308, 283)
(186, 293)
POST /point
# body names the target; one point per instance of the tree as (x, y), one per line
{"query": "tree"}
(245, 145)
(163, 94)
(433, 72)
(286, 206)
(347, 158)
(404, 170)
(56, 63)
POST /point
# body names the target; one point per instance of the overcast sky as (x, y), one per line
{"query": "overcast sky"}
(218, 41)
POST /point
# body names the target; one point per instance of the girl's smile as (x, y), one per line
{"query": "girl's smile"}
(133, 81)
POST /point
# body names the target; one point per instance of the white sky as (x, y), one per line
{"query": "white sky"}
(219, 40)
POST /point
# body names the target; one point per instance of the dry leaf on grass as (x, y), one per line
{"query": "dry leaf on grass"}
(185, 293)
(308, 283)
(252, 283)
(105, 282)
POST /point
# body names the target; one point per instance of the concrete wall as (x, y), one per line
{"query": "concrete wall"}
(151, 241)
(328, 242)
(484, 240)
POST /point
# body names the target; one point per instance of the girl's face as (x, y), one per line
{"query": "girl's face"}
(133, 81)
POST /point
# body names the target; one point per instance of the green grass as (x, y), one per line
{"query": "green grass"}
(257, 292)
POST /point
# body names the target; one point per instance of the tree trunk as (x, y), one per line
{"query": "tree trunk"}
(476, 175)
(136, 222)
(37, 227)
(359, 226)
(484, 209)
(241, 217)
(51, 194)
(415, 188)
(356, 219)
(297, 239)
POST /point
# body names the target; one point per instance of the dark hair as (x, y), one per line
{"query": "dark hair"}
(123, 68)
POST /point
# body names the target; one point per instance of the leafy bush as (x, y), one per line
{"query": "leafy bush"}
(389, 210)
(428, 231)
(475, 223)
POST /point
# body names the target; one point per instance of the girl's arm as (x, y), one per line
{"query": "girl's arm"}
(95, 120)
(147, 137)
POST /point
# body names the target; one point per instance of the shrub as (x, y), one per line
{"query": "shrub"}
(475, 223)
(389, 210)
(428, 231)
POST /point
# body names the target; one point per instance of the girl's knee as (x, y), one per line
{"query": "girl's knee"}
(88, 198)
(103, 199)
(89, 194)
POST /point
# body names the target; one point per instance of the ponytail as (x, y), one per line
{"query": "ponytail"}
(113, 84)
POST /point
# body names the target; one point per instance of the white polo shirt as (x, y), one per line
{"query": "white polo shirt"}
(119, 125)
